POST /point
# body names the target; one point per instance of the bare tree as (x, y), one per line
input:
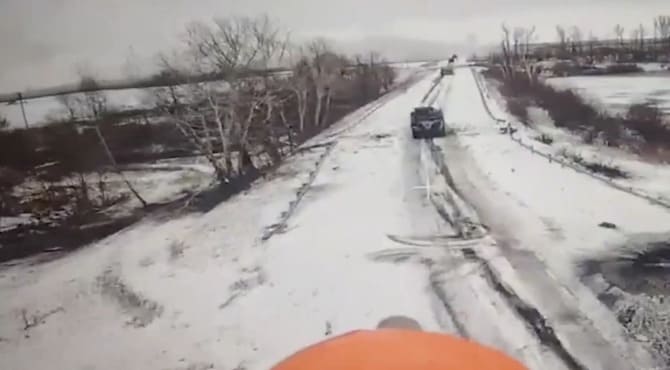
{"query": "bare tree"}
(217, 118)
(70, 103)
(318, 50)
(642, 34)
(662, 24)
(299, 82)
(592, 42)
(528, 37)
(95, 105)
(562, 38)
(635, 36)
(517, 39)
(576, 38)
(326, 67)
(662, 29)
(505, 46)
(619, 32)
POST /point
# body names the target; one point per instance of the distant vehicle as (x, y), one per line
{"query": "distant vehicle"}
(448, 70)
(427, 122)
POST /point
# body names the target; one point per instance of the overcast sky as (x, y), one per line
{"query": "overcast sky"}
(43, 42)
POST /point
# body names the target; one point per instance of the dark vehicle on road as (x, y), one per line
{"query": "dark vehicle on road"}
(427, 122)
(449, 70)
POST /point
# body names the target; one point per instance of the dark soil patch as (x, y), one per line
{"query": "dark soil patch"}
(642, 271)
(207, 200)
(57, 239)
(612, 172)
(381, 136)
(140, 310)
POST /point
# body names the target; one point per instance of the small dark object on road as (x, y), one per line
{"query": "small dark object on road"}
(607, 225)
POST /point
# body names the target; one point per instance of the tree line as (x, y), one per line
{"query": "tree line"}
(641, 128)
(242, 125)
(640, 43)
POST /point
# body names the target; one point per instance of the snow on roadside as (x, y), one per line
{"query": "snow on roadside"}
(203, 291)
(654, 67)
(594, 198)
(540, 208)
(642, 310)
(646, 178)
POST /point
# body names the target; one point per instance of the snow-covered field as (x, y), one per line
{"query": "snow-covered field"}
(471, 234)
(158, 182)
(617, 93)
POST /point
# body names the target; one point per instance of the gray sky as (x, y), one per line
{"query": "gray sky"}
(43, 42)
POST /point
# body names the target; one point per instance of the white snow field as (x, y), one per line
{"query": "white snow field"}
(369, 224)
(617, 93)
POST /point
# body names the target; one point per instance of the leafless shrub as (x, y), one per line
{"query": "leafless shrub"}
(608, 170)
(518, 107)
(176, 250)
(31, 320)
(545, 139)
(4, 123)
(142, 311)
(146, 261)
(647, 120)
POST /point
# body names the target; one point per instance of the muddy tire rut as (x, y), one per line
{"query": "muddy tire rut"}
(451, 206)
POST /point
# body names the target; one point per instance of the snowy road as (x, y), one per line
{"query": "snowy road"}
(368, 225)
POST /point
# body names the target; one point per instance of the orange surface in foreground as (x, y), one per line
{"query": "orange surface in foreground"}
(392, 349)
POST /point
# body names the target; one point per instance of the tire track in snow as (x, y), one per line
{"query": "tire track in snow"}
(523, 276)
(436, 83)
(468, 227)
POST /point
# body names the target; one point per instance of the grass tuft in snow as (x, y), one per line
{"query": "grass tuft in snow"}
(142, 311)
(610, 170)
(176, 250)
(647, 319)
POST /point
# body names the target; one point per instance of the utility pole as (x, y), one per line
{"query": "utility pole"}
(23, 110)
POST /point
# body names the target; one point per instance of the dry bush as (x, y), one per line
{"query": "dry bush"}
(647, 120)
(622, 68)
(519, 108)
(565, 107)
